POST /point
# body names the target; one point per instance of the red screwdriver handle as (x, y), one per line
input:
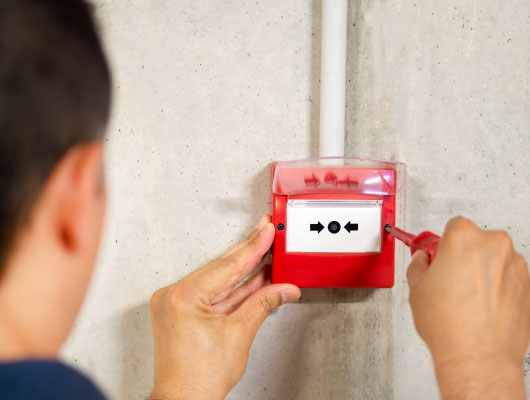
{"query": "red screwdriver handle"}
(426, 241)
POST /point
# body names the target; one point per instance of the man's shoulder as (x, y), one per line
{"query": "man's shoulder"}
(45, 379)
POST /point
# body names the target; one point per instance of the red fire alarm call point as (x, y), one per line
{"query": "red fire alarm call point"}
(329, 215)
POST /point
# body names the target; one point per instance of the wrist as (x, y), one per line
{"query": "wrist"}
(470, 378)
(182, 392)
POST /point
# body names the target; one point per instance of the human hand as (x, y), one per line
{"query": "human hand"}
(471, 306)
(204, 326)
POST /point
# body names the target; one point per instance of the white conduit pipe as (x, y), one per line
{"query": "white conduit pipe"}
(333, 77)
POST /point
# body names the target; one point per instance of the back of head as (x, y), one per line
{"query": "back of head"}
(54, 94)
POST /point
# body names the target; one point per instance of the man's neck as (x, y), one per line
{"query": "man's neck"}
(26, 329)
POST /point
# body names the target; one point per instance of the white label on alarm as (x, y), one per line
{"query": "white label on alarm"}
(334, 226)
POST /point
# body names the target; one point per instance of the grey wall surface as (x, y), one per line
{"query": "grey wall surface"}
(208, 93)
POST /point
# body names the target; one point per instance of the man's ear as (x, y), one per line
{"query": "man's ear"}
(74, 195)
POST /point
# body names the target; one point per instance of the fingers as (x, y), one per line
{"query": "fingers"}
(238, 296)
(418, 267)
(264, 220)
(260, 304)
(460, 224)
(215, 281)
(459, 233)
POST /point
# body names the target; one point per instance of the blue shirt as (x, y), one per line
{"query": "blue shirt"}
(44, 380)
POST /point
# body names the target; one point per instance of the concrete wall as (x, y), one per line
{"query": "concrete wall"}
(207, 93)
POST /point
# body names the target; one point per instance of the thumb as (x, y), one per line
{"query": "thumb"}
(418, 267)
(264, 301)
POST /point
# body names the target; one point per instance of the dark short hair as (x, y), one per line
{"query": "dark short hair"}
(55, 91)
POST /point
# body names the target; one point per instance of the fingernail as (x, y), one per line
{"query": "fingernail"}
(262, 221)
(289, 295)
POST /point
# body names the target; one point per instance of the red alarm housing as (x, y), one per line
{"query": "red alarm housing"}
(329, 215)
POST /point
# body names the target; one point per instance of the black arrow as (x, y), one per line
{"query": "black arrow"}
(316, 227)
(351, 227)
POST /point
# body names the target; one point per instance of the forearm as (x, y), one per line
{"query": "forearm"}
(188, 388)
(179, 395)
(466, 380)
(175, 392)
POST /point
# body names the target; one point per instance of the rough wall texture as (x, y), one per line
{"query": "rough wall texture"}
(207, 93)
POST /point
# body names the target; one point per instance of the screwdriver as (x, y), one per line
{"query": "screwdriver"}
(426, 241)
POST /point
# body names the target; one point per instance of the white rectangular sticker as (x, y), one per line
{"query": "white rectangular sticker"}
(334, 226)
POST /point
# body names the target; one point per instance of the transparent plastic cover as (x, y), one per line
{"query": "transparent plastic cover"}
(339, 175)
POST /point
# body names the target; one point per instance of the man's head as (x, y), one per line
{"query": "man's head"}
(54, 106)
